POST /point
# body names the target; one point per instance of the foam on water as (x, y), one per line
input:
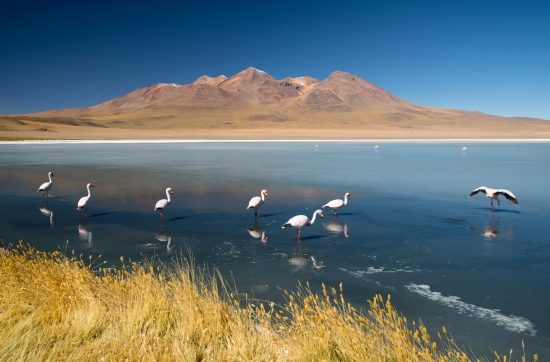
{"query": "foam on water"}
(511, 323)
(372, 270)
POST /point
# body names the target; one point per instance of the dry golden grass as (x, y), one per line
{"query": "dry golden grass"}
(55, 307)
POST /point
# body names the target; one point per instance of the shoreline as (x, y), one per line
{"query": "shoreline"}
(396, 140)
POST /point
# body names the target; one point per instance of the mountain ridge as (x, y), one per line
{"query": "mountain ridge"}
(253, 99)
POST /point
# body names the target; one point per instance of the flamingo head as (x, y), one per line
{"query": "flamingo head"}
(348, 195)
(320, 212)
(50, 174)
(90, 185)
(170, 191)
(264, 192)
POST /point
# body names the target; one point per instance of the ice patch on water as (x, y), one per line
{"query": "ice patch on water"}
(512, 323)
(372, 270)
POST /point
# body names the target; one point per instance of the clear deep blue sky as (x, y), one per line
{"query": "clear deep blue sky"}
(490, 56)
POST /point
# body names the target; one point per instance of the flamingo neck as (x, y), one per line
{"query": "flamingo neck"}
(50, 177)
(263, 196)
(345, 199)
(313, 218)
(89, 193)
(168, 196)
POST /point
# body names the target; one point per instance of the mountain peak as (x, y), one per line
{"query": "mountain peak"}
(249, 76)
(208, 80)
(254, 69)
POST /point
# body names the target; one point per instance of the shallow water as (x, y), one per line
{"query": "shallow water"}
(409, 229)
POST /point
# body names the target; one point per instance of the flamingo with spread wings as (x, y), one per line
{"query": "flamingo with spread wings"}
(493, 194)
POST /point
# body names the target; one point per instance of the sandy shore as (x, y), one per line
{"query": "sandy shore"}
(375, 134)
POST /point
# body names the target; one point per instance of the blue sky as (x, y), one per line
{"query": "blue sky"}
(489, 56)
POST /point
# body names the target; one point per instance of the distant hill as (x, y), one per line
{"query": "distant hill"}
(252, 99)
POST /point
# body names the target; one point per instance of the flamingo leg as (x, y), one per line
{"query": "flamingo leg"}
(162, 218)
(492, 207)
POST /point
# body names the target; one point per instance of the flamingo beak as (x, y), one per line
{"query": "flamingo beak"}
(322, 215)
(171, 192)
(92, 186)
(52, 174)
(266, 194)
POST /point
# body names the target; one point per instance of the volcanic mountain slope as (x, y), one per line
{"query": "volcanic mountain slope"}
(252, 99)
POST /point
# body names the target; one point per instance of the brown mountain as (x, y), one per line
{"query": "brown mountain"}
(252, 102)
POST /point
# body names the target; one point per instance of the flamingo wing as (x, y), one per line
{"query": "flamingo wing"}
(161, 204)
(335, 204)
(82, 202)
(509, 196)
(298, 222)
(255, 202)
(479, 189)
(45, 186)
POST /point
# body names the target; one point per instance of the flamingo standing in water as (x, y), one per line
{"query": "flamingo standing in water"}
(46, 186)
(302, 221)
(493, 195)
(83, 200)
(256, 202)
(337, 204)
(164, 203)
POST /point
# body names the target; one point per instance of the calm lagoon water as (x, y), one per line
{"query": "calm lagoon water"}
(409, 229)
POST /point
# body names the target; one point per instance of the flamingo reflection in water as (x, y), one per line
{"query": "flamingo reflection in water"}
(491, 230)
(85, 233)
(165, 236)
(47, 210)
(257, 232)
(299, 260)
(336, 227)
